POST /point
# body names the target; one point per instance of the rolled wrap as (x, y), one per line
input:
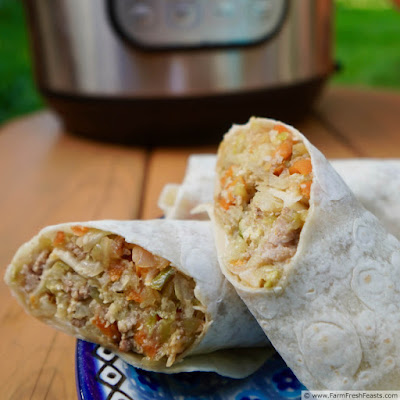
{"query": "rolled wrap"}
(375, 183)
(334, 313)
(189, 247)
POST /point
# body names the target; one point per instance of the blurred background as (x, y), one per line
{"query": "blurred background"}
(367, 45)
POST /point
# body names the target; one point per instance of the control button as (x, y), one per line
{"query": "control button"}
(225, 9)
(184, 14)
(262, 8)
(142, 14)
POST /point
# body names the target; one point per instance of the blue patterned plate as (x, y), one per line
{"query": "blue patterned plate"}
(101, 375)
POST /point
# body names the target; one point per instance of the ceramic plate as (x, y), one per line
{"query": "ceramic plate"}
(101, 375)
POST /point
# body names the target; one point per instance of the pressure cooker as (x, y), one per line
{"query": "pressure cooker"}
(160, 72)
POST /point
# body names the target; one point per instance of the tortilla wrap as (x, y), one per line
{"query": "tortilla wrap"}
(326, 293)
(177, 201)
(375, 183)
(170, 310)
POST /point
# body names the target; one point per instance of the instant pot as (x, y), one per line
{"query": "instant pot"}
(178, 71)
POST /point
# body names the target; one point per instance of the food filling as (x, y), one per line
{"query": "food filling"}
(135, 301)
(265, 176)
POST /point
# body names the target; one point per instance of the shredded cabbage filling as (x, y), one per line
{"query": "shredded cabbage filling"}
(265, 177)
(136, 301)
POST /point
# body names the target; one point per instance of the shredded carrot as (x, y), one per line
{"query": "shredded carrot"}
(231, 186)
(280, 128)
(305, 189)
(59, 239)
(302, 166)
(278, 170)
(284, 150)
(115, 271)
(142, 272)
(109, 330)
(150, 347)
(223, 203)
(134, 295)
(228, 174)
(238, 263)
(79, 230)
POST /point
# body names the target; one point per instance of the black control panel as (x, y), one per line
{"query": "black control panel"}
(157, 24)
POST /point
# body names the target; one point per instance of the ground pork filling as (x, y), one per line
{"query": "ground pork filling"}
(106, 287)
(265, 177)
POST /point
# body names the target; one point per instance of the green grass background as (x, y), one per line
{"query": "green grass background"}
(368, 43)
(17, 90)
(367, 46)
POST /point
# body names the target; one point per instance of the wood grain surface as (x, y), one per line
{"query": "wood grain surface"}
(48, 176)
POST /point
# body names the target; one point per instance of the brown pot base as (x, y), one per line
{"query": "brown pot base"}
(179, 121)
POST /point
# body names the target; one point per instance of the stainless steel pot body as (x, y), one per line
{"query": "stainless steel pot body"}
(100, 48)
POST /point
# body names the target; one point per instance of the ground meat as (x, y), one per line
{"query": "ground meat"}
(272, 253)
(79, 323)
(40, 261)
(31, 279)
(99, 310)
(81, 294)
(75, 250)
(32, 272)
(283, 232)
(128, 323)
(125, 345)
(77, 289)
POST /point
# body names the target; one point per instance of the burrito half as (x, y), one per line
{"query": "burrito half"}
(317, 270)
(150, 290)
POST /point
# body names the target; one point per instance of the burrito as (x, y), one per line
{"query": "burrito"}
(318, 271)
(150, 290)
(378, 194)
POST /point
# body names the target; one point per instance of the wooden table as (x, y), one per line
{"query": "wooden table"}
(48, 177)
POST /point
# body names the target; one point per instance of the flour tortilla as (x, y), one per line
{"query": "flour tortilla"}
(178, 201)
(230, 328)
(335, 316)
(375, 183)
